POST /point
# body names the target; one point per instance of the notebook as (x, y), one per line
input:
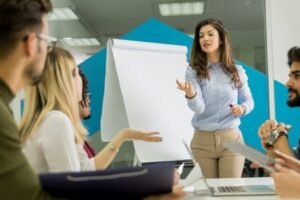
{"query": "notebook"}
(134, 183)
(230, 190)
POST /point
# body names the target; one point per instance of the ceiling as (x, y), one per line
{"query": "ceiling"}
(104, 19)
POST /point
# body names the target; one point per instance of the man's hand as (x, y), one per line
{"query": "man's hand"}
(287, 161)
(266, 128)
(286, 182)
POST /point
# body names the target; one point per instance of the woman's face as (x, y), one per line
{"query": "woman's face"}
(78, 83)
(209, 39)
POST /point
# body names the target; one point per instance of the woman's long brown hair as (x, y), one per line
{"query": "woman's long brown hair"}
(199, 58)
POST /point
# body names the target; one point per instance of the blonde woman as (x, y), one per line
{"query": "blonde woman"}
(51, 130)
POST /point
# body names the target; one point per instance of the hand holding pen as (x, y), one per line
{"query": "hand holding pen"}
(237, 110)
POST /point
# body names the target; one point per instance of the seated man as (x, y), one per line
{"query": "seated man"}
(274, 138)
(273, 135)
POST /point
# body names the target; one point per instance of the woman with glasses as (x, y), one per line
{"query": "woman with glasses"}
(51, 129)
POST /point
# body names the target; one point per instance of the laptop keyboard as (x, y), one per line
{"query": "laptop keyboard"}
(231, 189)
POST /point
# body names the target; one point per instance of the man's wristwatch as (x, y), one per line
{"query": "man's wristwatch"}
(274, 135)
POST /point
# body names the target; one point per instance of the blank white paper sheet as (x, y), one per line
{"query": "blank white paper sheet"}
(140, 93)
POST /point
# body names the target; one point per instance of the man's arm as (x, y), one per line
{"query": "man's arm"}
(282, 145)
(17, 179)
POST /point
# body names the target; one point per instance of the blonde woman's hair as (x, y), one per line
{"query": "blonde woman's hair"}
(56, 91)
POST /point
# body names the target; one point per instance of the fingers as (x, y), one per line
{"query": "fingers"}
(180, 85)
(280, 168)
(154, 139)
(187, 87)
(254, 166)
(279, 161)
(151, 137)
(266, 128)
(177, 194)
(237, 110)
(287, 160)
(178, 191)
(152, 133)
(176, 179)
(281, 155)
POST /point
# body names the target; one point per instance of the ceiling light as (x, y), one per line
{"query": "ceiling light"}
(62, 14)
(184, 8)
(81, 42)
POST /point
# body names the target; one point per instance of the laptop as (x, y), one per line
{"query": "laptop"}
(230, 190)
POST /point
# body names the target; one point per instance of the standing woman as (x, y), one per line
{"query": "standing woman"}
(217, 92)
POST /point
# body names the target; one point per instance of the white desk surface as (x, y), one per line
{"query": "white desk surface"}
(233, 182)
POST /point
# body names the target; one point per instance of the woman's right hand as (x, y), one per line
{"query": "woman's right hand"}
(187, 87)
(133, 134)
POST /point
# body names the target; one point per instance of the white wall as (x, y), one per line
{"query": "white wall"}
(283, 32)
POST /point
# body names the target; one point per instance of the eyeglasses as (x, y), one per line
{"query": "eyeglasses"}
(51, 41)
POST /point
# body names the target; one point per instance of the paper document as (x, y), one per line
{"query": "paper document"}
(251, 154)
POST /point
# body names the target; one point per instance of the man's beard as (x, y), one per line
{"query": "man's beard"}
(295, 102)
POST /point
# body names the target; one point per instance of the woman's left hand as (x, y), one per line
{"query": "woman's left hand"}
(132, 134)
(237, 110)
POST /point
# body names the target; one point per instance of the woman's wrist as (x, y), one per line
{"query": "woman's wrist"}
(190, 96)
(244, 109)
(124, 134)
(112, 148)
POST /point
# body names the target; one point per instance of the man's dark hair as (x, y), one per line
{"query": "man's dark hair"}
(85, 89)
(18, 17)
(293, 55)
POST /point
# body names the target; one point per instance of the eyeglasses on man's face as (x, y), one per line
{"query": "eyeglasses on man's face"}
(51, 41)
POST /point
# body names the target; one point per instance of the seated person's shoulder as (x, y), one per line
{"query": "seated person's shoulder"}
(57, 123)
(6, 115)
(57, 117)
(8, 125)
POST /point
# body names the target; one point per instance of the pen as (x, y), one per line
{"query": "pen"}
(180, 169)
